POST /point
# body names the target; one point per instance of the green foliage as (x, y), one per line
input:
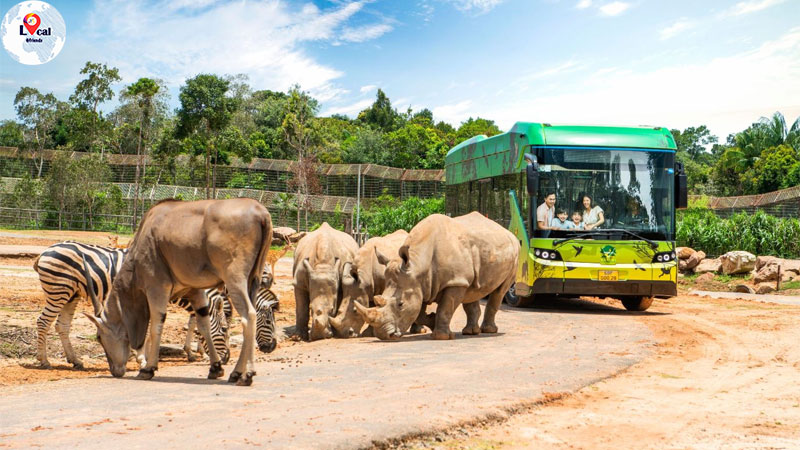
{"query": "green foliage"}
(381, 115)
(11, 134)
(473, 127)
(771, 171)
(759, 233)
(96, 88)
(385, 219)
(414, 146)
(247, 180)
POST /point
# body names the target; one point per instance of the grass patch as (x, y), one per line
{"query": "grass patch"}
(790, 285)
(722, 278)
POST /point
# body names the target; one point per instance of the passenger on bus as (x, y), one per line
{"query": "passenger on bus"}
(634, 214)
(576, 223)
(560, 222)
(545, 213)
(592, 216)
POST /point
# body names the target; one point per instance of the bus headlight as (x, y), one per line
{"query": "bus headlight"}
(537, 252)
(545, 254)
(551, 255)
(664, 257)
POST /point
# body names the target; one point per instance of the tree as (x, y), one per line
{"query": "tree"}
(37, 112)
(694, 141)
(11, 134)
(474, 127)
(302, 134)
(141, 93)
(381, 115)
(206, 110)
(414, 147)
(285, 204)
(94, 90)
(772, 169)
(366, 145)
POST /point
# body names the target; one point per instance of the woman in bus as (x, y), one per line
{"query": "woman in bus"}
(592, 216)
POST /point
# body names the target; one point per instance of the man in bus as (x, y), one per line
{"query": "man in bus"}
(546, 212)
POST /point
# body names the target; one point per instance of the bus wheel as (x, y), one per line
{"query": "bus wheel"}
(637, 303)
(512, 299)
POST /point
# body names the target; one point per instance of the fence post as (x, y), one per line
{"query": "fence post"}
(84, 221)
(358, 200)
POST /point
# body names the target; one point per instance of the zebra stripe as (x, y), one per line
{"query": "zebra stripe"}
(219, 327)
(60, 269)
(266, 304)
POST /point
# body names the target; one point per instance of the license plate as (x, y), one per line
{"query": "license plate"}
(608, 275)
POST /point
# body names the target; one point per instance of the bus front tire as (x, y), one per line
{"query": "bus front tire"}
(637, 303)
(512, 299)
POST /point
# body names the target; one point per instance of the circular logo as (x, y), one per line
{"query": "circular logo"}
(33, 32)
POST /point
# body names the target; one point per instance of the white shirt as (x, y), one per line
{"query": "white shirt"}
(545, 214)
(593, 216)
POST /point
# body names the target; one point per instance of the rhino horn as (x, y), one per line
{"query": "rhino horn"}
(368, 314)
(379, 300)
(336, 322)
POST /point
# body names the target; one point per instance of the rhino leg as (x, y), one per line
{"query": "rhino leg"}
(448, 302)
(423, 320)
(492, 305)
(473, 311)
(301, 313)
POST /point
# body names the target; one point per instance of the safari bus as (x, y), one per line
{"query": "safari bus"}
(616, 189)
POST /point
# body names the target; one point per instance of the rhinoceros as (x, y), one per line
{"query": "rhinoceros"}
(362, 279)
(449, 261)
(318, 263)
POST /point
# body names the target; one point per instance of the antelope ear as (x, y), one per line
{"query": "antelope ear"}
(382, 259)
(98, 322)
(379, 300)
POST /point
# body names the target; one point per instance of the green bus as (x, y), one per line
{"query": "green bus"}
(619, 188)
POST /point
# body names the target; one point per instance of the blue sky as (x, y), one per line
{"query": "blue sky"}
(621, 62)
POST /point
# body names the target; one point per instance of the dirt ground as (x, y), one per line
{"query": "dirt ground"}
(725, 374)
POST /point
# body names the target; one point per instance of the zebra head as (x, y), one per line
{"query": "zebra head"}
(266, 305)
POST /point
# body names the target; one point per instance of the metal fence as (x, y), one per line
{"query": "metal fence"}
(783, 203)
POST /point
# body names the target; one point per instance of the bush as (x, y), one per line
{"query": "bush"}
(383, 218)
(759, 233)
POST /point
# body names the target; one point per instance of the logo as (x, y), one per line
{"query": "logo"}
(608, 254)
(33, 32)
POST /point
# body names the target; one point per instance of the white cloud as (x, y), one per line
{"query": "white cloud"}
(752, 6)
(557, 69)
(614, 8)
(365, 33)
(475, 6)
(727, 94)
(262, 39)
(583, 4)
(680, 25)
(453, 113)
(368, 88)
(349, 110)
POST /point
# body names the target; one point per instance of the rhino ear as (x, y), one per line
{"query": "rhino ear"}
(403, 252)
(347, 274)
(307, 265)
(337, 265)
(382, 259)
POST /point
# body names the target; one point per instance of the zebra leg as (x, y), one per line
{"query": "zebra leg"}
(63, 325)
(202, 310)
(187, 346)
(51, 310)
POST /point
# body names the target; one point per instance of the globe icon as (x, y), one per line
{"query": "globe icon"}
(20, 41)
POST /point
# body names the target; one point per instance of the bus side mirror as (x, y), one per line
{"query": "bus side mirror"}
(681, 187)
(532, 174)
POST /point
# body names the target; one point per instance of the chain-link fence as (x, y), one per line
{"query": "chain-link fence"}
(784, 203)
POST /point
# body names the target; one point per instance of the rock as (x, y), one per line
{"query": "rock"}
(792, 265)
(767, 273)
(765, 288)
(695, 259)
(294, 238)
(705, 278)
(762, 261)
(283, 233)
(743, 288)
(788, 276)
(737, 262)
(684, 252)
(683, 265)
(708, 265)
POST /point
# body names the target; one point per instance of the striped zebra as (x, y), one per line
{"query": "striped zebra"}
(219, 327)
(266, 304)
(60, 269)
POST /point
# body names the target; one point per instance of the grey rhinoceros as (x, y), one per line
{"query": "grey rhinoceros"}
(449, 261)
(363, 279)
(318, 263)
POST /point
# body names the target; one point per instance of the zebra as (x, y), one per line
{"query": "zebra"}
(60, 268)
(266, 305)
(219, 327)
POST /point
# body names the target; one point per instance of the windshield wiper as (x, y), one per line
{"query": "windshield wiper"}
(652, 244)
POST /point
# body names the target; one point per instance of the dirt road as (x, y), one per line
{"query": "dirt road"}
(332, 394)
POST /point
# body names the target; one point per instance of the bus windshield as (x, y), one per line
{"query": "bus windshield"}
(630, 189)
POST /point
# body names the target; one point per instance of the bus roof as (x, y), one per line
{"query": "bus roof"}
(482, 157)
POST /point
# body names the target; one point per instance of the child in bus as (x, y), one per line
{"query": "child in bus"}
(576, 223)
(560, 221)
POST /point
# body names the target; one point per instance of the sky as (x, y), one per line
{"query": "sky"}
(672, 63)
